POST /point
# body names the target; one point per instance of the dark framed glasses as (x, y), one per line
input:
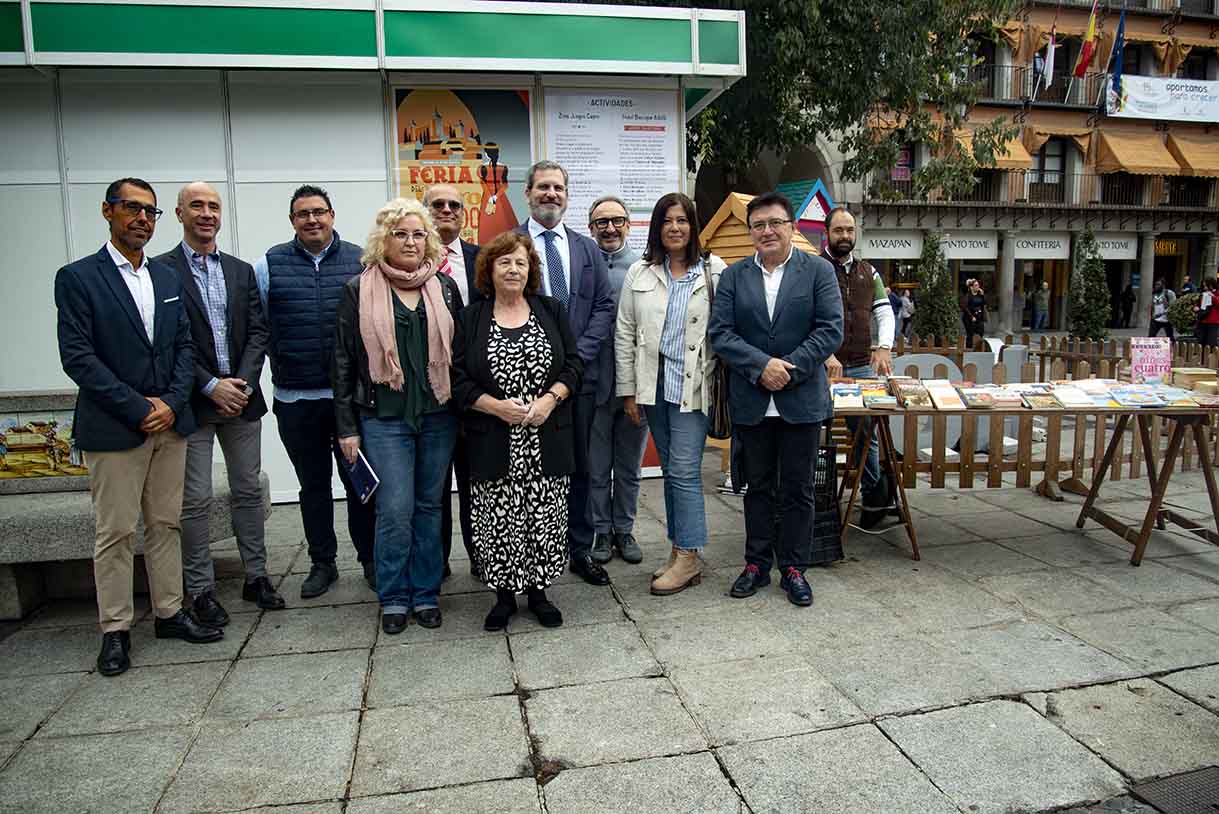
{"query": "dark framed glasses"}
(134, 208)
(601, 223)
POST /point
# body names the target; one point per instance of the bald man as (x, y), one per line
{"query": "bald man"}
(230, 335)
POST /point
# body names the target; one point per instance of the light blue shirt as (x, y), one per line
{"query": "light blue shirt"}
(262, 276)
(673, 335)
(209, 279)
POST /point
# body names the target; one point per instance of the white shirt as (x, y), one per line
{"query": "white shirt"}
(560, 243)
(457, 268)
(139, 283)
(771, 280)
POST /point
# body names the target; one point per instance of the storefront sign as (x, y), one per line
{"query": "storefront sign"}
(971, 245)
(877, 245)
(1169, 248)
(1042, 246)
(620, 141)
(1118, 246)
(1154, 97)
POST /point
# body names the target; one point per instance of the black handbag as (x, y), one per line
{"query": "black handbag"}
(715, 386)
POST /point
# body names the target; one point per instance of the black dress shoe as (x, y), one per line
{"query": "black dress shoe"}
(627, 548)
(503, 610)
(589, 571)
(797, 588)
(208, 611)
(748, 583)
(263, 592)
(183, 626)
(370, 575)
(113, 660)
(448, 572)
(601, 550)
(321, 576)
(393, 623)
(545, 611)
(428, 617)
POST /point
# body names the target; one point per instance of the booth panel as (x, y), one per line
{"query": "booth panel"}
(152, 124)
(10, 29)
(27, 130)
(31, 228)
(718, 42)
(204, 28)
(296, 129)
(262, 210)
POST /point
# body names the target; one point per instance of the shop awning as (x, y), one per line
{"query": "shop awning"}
(1197, 155)
(1140, 154)
(1012, 156)
(1035, 137)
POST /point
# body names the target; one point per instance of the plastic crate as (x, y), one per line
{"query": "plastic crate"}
(827, 542)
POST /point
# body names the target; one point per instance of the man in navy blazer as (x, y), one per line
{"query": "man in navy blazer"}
(777, 317)
(124, 338)
(575, 273)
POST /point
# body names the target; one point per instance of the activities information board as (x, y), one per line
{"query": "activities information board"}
(616, 142)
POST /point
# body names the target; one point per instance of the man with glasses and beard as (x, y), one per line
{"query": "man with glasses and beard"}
(617, 443)
(868, 326)
(444, 203)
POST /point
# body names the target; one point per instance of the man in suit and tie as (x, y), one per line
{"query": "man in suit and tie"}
(124, 338)
(575, 273)
(776, 319)
(230, 336)
(448, 216)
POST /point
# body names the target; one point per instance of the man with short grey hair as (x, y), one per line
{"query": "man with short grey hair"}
(616, 443)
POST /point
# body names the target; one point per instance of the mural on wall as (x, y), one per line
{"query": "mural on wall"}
(479, 141)
(37, 445)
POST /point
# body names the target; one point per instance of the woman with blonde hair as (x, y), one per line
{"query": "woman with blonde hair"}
(663, 360)
(390, 373)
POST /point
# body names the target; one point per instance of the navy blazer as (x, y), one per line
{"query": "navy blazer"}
(469, 253)
(104, 349)
(806, 330)
(248, 333)
(591, 309)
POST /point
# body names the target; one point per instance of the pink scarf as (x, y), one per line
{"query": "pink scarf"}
(377, 324)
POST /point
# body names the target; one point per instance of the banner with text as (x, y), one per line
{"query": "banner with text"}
(1154, 97)
(1042, 245)
(1118, 246)
(881, 245)
(971, 245)
(616, 142)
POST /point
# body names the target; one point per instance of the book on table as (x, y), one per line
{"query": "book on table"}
(1035, 401)
(1004, 398)
(1103, 400)
(1071, 397)
(977, 398)
(910, 393)
(1206, 399)
(1175, 396)
(943, 395)
(1136, 396)
(847, 396)
(1094, 385)
(879, 401)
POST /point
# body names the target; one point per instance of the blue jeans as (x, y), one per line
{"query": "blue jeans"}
(412, 466)
(871, 464)
(680, 439)
(1040, 320)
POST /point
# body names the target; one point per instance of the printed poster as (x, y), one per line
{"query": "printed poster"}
(616, 142)
(480, 141)
(1150, 359)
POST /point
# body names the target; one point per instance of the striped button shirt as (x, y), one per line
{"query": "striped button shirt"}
(673, 335)
(209, 278)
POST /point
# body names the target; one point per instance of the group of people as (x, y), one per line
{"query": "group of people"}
(1206, 314)
(532, 368)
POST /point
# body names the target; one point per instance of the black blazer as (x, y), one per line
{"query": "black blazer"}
(486, 435)
(248, 333)
(469, 253)
(104, 349)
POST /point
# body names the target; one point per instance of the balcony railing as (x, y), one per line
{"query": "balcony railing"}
(1018, 82)
(1067, 189)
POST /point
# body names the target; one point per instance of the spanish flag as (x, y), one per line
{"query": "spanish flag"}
(1088, 49)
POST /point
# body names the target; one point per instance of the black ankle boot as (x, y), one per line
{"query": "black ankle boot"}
(545, 611)
(502, 611)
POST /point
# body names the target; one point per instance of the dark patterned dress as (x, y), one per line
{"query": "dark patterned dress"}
(520, 522)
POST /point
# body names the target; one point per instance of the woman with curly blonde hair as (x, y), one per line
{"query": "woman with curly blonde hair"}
(392, 352)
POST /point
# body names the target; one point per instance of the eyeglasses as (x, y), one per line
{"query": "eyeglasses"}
(774, 224)
(440, 205)
(601, 223)
(134, 208)
(307, 214)
(413, 237)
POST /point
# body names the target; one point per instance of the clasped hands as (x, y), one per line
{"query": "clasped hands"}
(776, 375)
(230, 396)
(533, 414)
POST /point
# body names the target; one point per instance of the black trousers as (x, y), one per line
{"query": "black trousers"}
(776, 457)
(579, 515)
(1156, 327)
(307, 430)
(460, 465)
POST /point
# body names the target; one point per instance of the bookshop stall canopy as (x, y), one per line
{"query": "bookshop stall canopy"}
(368, 99)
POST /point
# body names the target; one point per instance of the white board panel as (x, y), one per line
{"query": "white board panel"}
(27, 130)
(262, 211)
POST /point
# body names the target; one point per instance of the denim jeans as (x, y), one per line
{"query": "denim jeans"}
(412, 465)
(680, 439)
(871, 465)
(1040, 320)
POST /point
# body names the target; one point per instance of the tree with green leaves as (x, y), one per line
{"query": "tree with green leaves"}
(938, 313)
(1090, 310)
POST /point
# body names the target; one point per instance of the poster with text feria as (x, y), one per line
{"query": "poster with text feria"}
(476, 140)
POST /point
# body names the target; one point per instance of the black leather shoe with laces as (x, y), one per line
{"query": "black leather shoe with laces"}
(183, 626)
(208, 611)
(589, 571)
(748, 583)
(261, 590)
(113, 658)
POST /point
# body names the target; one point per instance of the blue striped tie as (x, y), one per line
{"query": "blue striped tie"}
(554, 270)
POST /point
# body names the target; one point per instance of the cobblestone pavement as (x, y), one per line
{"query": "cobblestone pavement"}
(1022, 665)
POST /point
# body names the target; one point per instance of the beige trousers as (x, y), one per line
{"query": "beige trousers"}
(147, 479)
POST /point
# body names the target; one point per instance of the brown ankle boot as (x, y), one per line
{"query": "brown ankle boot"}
(659, 572)
(687, 570)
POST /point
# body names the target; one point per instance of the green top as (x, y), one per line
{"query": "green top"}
(416, 398)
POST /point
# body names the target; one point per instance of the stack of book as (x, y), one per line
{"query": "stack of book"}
(910, 393)
(943, 395)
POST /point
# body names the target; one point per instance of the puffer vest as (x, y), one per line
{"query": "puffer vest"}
(301, 304)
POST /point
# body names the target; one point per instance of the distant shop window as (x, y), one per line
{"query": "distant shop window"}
(1193, 66)
(1046, 175)
(1132, 59)
(1188, 191)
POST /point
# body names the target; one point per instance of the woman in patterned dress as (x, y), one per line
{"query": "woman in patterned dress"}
(514, 366)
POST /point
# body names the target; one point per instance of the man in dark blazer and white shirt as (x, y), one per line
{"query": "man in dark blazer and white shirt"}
(124, 338)
(230, 335)
(777, 317)
(575, 273)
